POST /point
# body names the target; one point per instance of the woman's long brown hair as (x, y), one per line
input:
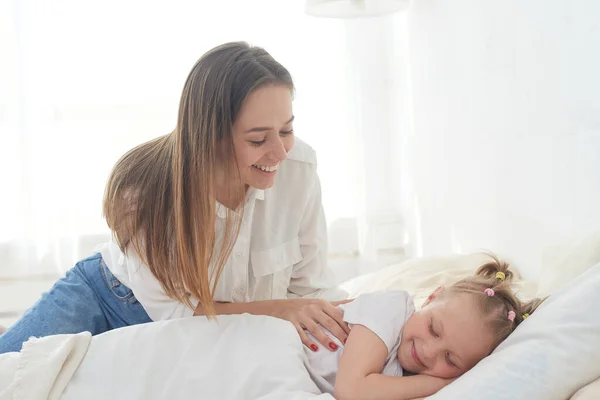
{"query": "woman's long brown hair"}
(160, 199)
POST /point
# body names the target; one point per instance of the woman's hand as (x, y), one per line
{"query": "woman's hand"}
(311, 315)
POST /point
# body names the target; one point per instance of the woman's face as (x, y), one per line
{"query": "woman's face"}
(263, 134)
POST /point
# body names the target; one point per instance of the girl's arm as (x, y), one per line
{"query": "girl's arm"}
(359, 375)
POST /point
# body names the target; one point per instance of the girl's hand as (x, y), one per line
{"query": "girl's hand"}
(312, 315)
(440, 383)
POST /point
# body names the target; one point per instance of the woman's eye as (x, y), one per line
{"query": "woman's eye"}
(287, 132)
(258, 143)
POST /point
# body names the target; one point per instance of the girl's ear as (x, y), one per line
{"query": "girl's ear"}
(434, 295)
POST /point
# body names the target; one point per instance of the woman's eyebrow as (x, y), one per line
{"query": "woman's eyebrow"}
(267, 128)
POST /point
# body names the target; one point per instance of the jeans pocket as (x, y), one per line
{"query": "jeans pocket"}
(119, 290)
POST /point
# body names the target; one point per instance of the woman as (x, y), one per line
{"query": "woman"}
(221, 216)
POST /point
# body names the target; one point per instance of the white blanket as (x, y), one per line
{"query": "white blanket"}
(238, 357)
(43, 368)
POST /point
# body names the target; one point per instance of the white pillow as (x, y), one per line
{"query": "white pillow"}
(589, 392)
(563, 263)
(550, 356)
(420, 276)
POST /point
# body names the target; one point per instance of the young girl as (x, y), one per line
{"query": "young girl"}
(394, 352)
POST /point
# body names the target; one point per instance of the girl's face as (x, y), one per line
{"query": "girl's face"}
(263, 134)
(446, 338)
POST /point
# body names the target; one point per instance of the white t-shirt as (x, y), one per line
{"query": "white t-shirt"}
(384, 313)
(280, 252)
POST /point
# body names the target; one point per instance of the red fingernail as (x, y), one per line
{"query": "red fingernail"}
(345, 340)
(314, 347)
(333, 346)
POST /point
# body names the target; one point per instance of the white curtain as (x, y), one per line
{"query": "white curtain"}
(506, 133)
(380, 121)
(82, 82)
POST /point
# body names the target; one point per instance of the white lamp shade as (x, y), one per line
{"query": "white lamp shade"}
(353, 8)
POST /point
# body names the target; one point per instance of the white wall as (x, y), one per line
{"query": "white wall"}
(505, 145)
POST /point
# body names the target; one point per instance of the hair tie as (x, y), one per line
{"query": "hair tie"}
(511, 316)
(500, 275)
(489, 292)
(525, 316)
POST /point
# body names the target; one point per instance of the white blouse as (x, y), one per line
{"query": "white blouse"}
(281, 250)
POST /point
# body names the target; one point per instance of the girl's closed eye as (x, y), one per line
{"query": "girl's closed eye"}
(288, 132)
(432, 331)
(449, 361)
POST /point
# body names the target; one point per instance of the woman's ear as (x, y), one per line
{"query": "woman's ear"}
(434, 295)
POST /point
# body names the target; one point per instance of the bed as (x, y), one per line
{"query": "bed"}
(70, 363)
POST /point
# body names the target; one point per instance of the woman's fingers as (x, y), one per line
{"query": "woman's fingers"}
(339, 302)
(315, 318)
(332, 326)
(318, 333)
(305, 339)
(338, 316)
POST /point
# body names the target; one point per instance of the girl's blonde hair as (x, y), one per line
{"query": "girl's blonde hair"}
(160, 198)
(498, 305)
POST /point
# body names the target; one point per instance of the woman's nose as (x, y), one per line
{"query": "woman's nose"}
(278, 151)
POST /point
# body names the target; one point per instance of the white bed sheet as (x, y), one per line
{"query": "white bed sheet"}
(240, 357)
(43, 368)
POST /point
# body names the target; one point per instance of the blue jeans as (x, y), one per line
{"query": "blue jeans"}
(89, 298)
